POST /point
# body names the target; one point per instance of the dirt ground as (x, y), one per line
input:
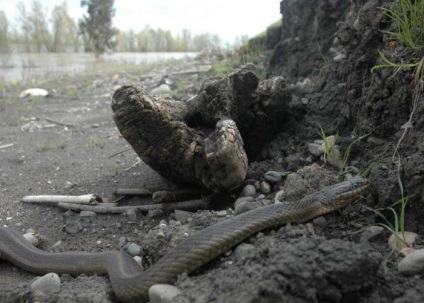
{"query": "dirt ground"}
(85, 153)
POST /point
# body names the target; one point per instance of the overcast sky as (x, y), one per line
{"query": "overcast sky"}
(226, 18)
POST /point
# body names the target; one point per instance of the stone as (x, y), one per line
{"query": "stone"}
(413, 263)
(133, 214)
(243, 199)
(134, 249)
(265, 187)
(155, 213)
(138, 260)
(162, 89)
(320, 222)
(182, 215)
(273, 176)
(371, 233)
(409, 239)
(72, 227)
(31, 239)
(335, 158)
(242, 250)
(48, 284)
(331, 141)
(248, 191)
(163, 293)
(314, 149)
(244, 206)
(122, 241)
(87, 213)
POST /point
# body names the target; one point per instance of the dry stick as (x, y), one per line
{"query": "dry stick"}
(133, 191)
(7, 145)
(171, 196)
(54, 199)
(57, 122)
(184, 205)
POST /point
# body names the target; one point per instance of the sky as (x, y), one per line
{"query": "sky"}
(225, 18)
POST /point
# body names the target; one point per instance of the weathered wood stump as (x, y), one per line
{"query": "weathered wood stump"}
(205, 141)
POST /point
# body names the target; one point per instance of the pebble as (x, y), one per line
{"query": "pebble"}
(413, 263)
(87, 213)
(160, 235)
(221, 213)
(134, 249)
(31, 239)
(122, 241)
(72, 227)
(409, 239)
(49, 284)
(183, 216)
(163, 293)
(261, 197)
(257, 185)
(242, 249)
(335, 158)
(57, 245)
(133, 214)
(265, 187)
(406, 251)
(273, 176)
(266, 202)
(314, 149)
(243, 207)
(320, 222)
(248, 191)
(243, 199)
(371, 233)
(138, 260)
(154, 213)
(331, 141)
(162, 89)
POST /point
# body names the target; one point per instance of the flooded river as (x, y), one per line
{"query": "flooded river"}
(27, 66)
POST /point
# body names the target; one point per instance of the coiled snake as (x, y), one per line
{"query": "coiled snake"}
(131, 285)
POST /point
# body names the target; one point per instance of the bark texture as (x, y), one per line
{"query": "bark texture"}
(205, 141)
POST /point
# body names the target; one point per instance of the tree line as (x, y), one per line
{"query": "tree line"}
(35, 30)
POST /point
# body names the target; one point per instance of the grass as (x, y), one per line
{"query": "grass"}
(397, 228)
(328, 146)
(94, 141)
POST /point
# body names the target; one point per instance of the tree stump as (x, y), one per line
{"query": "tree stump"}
(205, 141)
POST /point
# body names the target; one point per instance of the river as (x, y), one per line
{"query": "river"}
(27, 66)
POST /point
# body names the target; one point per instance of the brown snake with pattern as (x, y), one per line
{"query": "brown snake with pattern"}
(130, 284)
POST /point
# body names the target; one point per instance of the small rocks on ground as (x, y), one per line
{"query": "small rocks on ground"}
(242, 249)
(409, 239)
(320, 222)
(183, 216)
(134, 249)
(72, 227)
(48, 284)
(413, 263)
(265, 187)
(273, 176)
(248, 191)
(31, 239)
(371, 233)
(163, 293)
(87, 213)
(243, 199)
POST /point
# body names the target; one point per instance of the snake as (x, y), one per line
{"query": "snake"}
(131, 284)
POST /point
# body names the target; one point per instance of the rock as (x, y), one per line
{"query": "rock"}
(33, 92)
(413, 263)
(138, 260)
(406, 251)
(49, 284)
(242, 249)
(273, 176)
(182, 215)
(248, 191)
(331, 141)
(335, 158)
(243, 199)
(31, 239)
(134, 249)
(154, 213)
(87, 213)
(162, 89)
(221, 213)
(320, 222)
(304, 101)
(265, 187)
(122, 241)
(163, 293)
(133, 214)
(244, 206)
(409, 239)
(371, 233)
(72, 227)
(314, 149)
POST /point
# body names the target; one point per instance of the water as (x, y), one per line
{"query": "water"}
(27, 66)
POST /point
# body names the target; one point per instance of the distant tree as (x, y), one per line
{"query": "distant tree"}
(96, 27)
(5, 47)
(34, 31)
(64, 30)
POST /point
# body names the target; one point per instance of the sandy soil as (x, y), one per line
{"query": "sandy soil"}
(297, 263)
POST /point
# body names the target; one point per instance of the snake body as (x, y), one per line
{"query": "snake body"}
(131, 285)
